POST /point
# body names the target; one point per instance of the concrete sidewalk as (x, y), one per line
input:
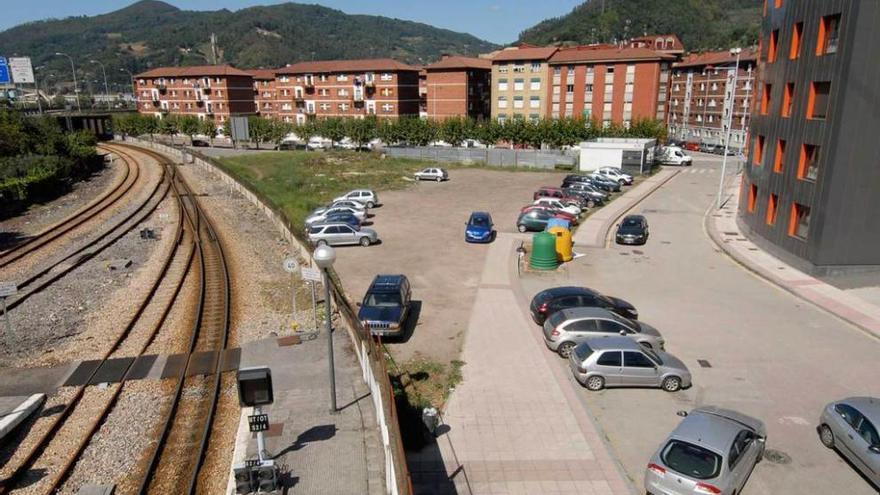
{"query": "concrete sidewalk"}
(594, 230)
(512, 426)
(723, 229)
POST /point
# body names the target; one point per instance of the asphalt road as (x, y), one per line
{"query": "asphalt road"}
(772, 355)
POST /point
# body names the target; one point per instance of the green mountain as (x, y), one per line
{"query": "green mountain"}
(152, 33)
(700, 24)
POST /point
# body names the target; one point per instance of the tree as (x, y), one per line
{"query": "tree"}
(332, 128)
(189, 125)
(208, 128)
(148, 124)
(168, 127)
(305, 130)
(278, 131)
(452, 130)
(388, 131)
(259, 129)
(361, 131)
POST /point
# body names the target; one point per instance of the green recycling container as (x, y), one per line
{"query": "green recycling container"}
(544, 252)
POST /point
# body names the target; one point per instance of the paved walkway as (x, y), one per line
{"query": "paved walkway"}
(723, 229)
(594, 229)
(514, 425)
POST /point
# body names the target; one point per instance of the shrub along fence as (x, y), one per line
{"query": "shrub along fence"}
(496, 157)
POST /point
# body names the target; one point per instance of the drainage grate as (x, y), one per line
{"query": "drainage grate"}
(704, 363)
(777, 456)
(731, 233)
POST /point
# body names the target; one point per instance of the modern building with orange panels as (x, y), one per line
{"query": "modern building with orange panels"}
(702, 91)
(811, 187)
(213, 92)
(265, 94)
(458, 87)
(608, 84)
(384, 87)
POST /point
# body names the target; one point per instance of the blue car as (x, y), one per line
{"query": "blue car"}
(343, 218)
(479, 228)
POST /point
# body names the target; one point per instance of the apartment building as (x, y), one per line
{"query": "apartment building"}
(669, 44)
(423, 93)
(347, 88)
(265, 93)
(702, 95)
(608, 84)
(208, 92)
(810, 188)
(458, 87)
(520, 76)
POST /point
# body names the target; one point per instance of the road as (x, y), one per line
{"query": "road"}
(771, 354)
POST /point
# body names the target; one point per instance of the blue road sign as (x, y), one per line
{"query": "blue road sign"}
(4, 71)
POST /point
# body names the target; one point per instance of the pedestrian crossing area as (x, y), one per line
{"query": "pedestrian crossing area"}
(699, 171)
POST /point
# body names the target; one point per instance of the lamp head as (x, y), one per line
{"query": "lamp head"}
(324, 256)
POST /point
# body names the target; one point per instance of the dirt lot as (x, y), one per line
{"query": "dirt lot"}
(422, 234)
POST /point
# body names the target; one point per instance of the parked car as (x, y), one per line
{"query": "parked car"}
(692, 146)
(572, 219)
(598, 363)
(712, 451)
(561, 195)
(366, 197)
(321, 214)
(534, 220)
(555, 203)
(604, 183)
(673, 155)
(600, 183)
(479, 228)
(318, 144)
(588, 190)
(633, 229)
(850, 427)
(346, 218)
(290, 145)
(386, 305)
(586, 197)
(709, 148)
(340, 234)
(549, 301)
(569, 327)
(437, 174)
(615, 173)
(347, 203)
(200, 143)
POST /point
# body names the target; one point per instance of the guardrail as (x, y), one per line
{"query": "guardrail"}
(370, 357)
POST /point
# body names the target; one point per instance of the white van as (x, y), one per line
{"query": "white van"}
(673, 155)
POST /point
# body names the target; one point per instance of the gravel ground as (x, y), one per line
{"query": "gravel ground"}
(119, 444)
(77, 316)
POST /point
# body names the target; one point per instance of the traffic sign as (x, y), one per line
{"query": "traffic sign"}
(258, 422)
(21, 70)
(4, 71)
(290, 265)
(311, 273)
(8, 289)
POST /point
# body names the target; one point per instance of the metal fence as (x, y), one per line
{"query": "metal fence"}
(370, 357)
(496, 157)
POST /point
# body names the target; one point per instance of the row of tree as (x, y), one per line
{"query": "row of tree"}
(410, 131)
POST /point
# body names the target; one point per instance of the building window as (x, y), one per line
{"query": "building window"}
(808, 164)
(829, 32)
(535, 102)
(386, 76)
(771, 50)
(325, 106)
(765, 99)
(772, 203)
(535, 83)
(817, 105)
(759, 151)
(796, 35)
(517, 102)
(387, 108)
(342, 92)
(534, 117)
(753, 197)
(536, 66)
(780, 156)
(799, 222)
(788, 100)
(569, 88)
(519, 68)
(343, 107)
(502, 102)
(502, 85)
(502, 69)
(518, 84)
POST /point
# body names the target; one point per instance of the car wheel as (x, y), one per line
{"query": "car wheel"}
(591, 204)
(521, 228)
(439, 179)
(826, 436)
(370, 204)
(321, 242)
(621, 182)
(365, 241)
(595, 383)
(565, 349)
(672, 384)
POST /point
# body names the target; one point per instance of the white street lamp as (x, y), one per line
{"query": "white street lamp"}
(324, 257)
(729, 124)
(75, 86)
(106, 90)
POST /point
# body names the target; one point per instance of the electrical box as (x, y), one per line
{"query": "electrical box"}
(255, 386)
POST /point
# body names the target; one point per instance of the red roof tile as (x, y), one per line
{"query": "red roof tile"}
(529, 53)
(194, 71)
(717, 58)
(262, 73)
(594, 54)
(379, 64)
(457, 62)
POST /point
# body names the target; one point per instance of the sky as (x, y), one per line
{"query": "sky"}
(499, 21)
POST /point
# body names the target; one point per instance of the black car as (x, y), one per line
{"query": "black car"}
(200, 143)
(386, 305)
(591, 198)
(549, 301)
(633, 229)
(597, 182)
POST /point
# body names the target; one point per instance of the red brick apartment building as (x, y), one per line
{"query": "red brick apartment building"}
(459, 87)
(663, 43)
(608, 84)
(702, 91)
(423, 93)
(265, 93)
(347, 88)
(213, 92)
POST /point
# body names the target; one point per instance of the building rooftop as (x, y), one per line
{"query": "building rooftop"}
(358, 65)
(194, 71)
(602, 54)
(458, 62)
(262, 73)
(717, 58)
(525, 52)
(662, 42)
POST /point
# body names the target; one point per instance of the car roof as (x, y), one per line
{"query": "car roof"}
(331, 224)
(868, 406)
(585, 312)
(382, 281)
(567, 291)
(480, 214)
(634, 217)
(614, 343)
(714, 428)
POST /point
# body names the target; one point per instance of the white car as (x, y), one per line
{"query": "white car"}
(355, 205)
(555, 203)
(437, 174)
(321, 214)
(318, 143)
(615, 173)
(365, 197)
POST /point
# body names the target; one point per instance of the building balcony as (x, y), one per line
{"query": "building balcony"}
(162, 88)
(310, 111)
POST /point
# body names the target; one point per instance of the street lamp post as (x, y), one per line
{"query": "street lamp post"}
(324, 257)
(106, 91)
(130, 86)
(729, 124)
(37, 89)
(75, 87)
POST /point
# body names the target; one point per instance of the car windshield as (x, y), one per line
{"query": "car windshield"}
(479, 221)
(691, 460)
(583, 351)
(557, 318)
(631, 222)
(626, 322)
(383, 299)
(653, 355)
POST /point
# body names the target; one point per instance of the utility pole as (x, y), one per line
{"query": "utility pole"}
(106, 91)
(75, 86)
(729, 122)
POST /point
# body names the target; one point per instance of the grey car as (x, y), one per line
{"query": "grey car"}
(600, 362)
(340, 234)
(569, 327)
(712, 451)
(850, 427)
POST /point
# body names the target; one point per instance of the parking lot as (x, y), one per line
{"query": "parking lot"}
(767, 353)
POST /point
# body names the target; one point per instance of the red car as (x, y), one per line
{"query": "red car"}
(572, 219)
(558, 193)
(692, 146)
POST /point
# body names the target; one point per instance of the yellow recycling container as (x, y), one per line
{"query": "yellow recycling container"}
(563, 243)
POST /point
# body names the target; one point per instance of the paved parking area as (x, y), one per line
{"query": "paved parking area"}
(772, 355)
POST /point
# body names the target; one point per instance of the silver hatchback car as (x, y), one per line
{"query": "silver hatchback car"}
(712, 451)
(338, 234)
(850, 426)
(623, 362)
(569, 327)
